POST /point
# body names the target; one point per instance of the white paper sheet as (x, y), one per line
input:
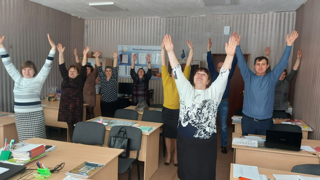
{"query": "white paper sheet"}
(156, 58)
(250, 172)
(285, 177)
(254, 138)
(3, 170)
(245, 142)
(307, 148)
(263, 177)
(145, 68)
(307, 178)
(122, 70)
(125, 58)
(142, 58)
(128, 70)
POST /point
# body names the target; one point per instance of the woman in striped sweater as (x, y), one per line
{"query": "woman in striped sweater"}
(27, 88)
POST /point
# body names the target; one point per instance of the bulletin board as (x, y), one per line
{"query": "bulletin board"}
(125, 58)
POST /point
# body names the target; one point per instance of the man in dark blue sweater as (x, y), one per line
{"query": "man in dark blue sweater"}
(224, 104)
(259, 89)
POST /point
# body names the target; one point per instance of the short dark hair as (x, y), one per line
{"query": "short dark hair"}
(74, 67)
(30, 64)
(89, 66)
(142, 70)
(260, 58)
(108, 67)
(205, 70)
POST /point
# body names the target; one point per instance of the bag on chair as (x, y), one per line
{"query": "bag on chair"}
(142, 106)
(121, 142)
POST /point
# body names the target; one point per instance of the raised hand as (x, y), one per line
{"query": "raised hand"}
(114, 54)
(209, 44)
(97, 54)
(231, 46)
(148, 57)
(75, 52)
(134, 57)
(291, 38)
(1, 41)
(237, 38)
(267, 51)
(85, 51)
(60, 48)
(168, 43)
(53, 46)
(190, 45)
(299, 55)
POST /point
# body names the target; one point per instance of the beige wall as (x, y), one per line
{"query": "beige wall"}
(258, 31)
(25, 25)
(305, 90)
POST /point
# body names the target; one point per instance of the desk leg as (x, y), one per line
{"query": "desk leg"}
(152, 157)
(84, 118)
(108, 171)
(305, 134)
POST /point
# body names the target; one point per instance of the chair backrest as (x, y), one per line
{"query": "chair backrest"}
(287, 127)
(156, 105)
(126, 114)
(152, 116)
(90, 133)
(313, 169)
(133, 133)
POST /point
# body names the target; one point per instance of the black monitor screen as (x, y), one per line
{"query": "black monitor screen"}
(125, 88)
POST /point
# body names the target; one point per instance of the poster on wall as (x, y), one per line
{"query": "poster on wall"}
(125, 58)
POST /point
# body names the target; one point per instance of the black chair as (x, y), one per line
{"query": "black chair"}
(90, 133)
(126, 114)
(312, 169)
(156, 105)
(155, 116)
(135, 136)
(287, 127)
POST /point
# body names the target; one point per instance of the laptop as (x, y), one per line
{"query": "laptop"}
(283, 140)
(13, 170)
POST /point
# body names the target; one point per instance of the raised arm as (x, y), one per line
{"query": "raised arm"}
(235, 60)
(190, 57)
(133, 73)
(96, 55)
(242, 64)
(62, 66)
(230, 50)
(45, 70)
(11, 69)
(148, 60)
(169, 47)
(85, 59)
(277, 71)
(297, 63)
(163, 55)
(267, 51)
(115, 58)
(102, 75)
(75, 52)
(211, 67)
(134, 58)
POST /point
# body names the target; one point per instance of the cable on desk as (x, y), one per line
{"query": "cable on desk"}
(57, 168)
(312, 154)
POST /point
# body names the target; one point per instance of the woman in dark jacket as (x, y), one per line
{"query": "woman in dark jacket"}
(71, 104)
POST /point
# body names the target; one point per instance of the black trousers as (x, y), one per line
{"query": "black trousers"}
(251, 126)
(108, 108)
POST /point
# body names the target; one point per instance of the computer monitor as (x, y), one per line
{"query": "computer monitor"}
(125, 88)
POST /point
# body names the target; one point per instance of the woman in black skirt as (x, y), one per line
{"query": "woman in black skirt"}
(170, 111)
(197, 140)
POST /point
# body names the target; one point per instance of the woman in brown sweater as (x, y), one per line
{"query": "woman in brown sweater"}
(89, 91)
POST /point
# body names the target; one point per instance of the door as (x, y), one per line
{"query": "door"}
(235, 89)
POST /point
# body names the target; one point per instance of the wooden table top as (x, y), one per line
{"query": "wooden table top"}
(72, 155)
(6, 120)
(269, 173)
(140, 123)
(52, 105)
(141, 112)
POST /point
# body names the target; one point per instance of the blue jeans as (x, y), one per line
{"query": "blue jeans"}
(223, 116)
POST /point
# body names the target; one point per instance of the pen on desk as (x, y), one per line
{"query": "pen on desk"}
(5, 143)
(43, 166)
(38, 164)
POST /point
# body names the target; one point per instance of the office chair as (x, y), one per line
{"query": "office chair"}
(135, 136)
(126, 114)
(155, 116)
(312, 169)
(90, 133)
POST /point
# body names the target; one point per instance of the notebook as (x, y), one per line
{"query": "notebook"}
(13, 170)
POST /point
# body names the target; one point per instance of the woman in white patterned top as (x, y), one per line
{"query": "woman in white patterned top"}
(27, 88)
(109, 80)
(197, 141)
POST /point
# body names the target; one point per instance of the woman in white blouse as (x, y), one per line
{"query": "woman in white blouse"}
(197, 140)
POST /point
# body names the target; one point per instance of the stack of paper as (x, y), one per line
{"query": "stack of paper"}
(250, 172)
(27, 152)
(245, 142)
(293, 177)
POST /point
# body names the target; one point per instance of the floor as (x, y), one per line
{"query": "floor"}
(166, 172)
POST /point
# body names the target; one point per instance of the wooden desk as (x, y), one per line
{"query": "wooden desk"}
(7, 128)
(140, 113)
(73, 155)
(149, 152)
(237, 126)
(51, 112)
(278, 159)
(269, 173)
